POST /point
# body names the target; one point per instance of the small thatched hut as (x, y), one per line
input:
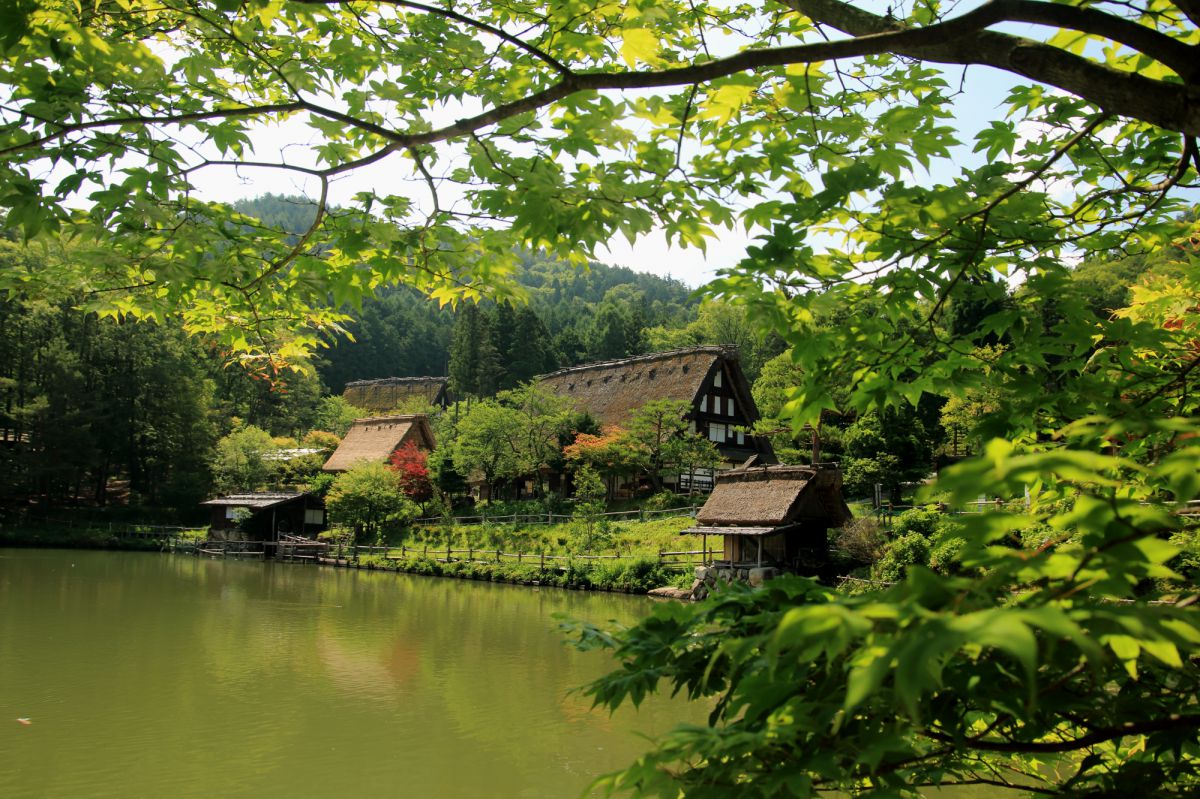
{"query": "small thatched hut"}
(774, 515)
(709, 378)
(389, 393)
(265, 516)
(375, 439)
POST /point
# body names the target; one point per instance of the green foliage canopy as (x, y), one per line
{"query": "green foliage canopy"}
(369, 499)
(812, 124)
(240, 461)
(522, 111)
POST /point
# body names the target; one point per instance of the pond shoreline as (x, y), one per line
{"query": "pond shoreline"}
(477, 572)
(638, 578)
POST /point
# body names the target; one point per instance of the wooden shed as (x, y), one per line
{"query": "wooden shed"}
(774, 515)
(374, 440)
(266, 516)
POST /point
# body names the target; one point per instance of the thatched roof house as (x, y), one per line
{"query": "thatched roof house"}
(709, 378)
(774, 515)
(389, 393)
(375, 439)
(264, 516)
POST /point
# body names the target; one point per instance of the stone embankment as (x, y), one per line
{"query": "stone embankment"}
(707, 577)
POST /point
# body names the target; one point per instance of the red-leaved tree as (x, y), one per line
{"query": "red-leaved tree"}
(409, 463)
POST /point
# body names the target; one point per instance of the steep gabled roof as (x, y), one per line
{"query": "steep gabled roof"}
(375, 439)
(774, 496)
(392, 392)
(611, 390)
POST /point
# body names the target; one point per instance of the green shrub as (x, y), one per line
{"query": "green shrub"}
(1187, 562)
(946, 555)
(663, 500)
(923, 521)
(910, 549)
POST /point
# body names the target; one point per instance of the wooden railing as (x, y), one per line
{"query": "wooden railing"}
(449, 554)
(553, 518)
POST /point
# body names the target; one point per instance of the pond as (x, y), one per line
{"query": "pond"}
(146, 674)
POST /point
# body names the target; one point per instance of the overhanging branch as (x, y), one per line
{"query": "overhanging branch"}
(1096, 736)
(1171, 106)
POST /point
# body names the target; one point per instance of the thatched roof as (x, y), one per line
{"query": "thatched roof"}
(611, 390)
(751, 531)
(375, 439)
(774, 496)
(388, 393)
(259, 501)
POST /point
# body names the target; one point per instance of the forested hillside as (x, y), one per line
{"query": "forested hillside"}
(572, 316)
(104, 410)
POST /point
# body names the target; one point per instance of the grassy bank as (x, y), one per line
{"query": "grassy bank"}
(634, 576)
(73, 539)
(53, 536)
(608, 556)
(627, 538)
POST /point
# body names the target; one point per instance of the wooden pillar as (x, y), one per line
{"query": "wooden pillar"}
(759, 550)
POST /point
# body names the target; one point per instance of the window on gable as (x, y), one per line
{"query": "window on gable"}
(704, 404)
(717, 380)
(716, 432)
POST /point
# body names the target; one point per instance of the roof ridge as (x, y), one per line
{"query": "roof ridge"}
(398, 417)
(411, 379)
(715, 349)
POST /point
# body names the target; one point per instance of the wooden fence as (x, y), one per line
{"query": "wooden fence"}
(157, 532)
(554, 518)
(672, 561)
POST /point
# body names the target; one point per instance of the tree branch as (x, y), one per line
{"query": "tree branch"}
(66, 129)
(1181, 57)
(1191, 8)
(447, 13)
(1099, 735)
(281, 264)
(963, 40)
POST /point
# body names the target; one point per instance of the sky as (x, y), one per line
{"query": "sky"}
(980, 101)
(984, 90)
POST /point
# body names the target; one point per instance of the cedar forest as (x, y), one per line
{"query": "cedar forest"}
(999, 276)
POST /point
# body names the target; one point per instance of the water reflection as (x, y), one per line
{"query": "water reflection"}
(147, 674)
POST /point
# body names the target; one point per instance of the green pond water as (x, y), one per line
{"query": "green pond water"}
(148, 674)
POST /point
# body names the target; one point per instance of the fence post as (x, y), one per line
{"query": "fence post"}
(470, 553)
(448, 552)
(497, 556)
(518, 557)
(425, 554)
(543, 560)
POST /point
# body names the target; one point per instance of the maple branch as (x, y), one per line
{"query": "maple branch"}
(1191, 8)
(1097, 736)
(474, 23)
(963, 40)
(281, 264)
(67, 128)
